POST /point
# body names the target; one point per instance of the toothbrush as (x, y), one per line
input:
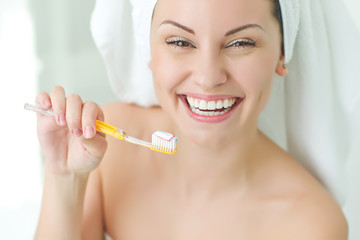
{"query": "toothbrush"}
(161, 141)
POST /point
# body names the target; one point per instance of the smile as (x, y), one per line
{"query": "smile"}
(210, 109)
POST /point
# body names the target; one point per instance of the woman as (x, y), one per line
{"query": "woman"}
(227, 180)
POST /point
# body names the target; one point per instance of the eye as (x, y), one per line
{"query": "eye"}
(244, 43)
(180, 43)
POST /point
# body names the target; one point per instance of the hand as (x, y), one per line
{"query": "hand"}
(69, 140)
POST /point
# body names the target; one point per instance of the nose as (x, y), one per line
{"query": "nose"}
(209, 71)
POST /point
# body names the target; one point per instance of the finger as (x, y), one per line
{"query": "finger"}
(58, 102)
(73, 114)
(95, 146)
(43, 100)
(90, 113)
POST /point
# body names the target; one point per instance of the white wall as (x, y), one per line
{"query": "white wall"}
(20, 178)
(352, 209)
(64, 44)
(42, 43)
(354, 10)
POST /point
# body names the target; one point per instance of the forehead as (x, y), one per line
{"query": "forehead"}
(213, 11)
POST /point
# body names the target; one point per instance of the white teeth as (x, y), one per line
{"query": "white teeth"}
(226, 103)
(219, 104)
(209, 114)
(202, 107)
(196, 103)
(211, 105)
(190, 101)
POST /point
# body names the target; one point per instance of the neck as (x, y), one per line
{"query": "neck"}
(213, 167)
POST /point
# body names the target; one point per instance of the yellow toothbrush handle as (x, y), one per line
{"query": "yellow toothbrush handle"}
(100, 126)
(110, 130)
(160, 144)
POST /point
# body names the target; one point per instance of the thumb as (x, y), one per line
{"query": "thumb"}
(95, 146)
(91, 152)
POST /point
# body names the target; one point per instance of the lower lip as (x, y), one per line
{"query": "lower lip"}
(209, 119)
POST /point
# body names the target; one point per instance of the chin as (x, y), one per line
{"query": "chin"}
(210, 136)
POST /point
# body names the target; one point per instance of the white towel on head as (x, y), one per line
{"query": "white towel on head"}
(121, 31)
(312, 109)
(290, 11)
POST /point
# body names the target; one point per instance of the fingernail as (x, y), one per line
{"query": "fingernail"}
(89, 132)
(77, 132)
(47, 103)
(62, 119)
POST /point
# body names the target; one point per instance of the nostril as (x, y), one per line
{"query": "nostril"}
(210, 73)
(210, 82)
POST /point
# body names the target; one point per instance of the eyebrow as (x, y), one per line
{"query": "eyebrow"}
(231, 32)
(241, 28)
(179, 26)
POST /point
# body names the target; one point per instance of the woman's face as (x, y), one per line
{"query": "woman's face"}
(213, 62)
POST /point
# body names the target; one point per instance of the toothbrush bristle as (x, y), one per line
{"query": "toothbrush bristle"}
(164, 142)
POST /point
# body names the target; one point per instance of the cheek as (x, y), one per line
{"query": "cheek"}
(168, 71)
(255, 73)
(162, 78)
(255, 76)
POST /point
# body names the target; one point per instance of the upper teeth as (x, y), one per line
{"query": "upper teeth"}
(210, 105)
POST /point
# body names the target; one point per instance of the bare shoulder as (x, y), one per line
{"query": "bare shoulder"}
(122, 113)
(124, 162)
(313, 213)
(316, 216)
(310, 212)
(133, 118)
(136, 121)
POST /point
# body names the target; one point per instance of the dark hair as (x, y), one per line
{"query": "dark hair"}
(277, 13)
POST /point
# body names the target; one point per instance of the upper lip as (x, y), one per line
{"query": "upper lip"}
(209, 97)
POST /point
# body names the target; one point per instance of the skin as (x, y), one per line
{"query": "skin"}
(227, 181)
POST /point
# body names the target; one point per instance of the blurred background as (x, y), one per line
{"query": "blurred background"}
(42, 44)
